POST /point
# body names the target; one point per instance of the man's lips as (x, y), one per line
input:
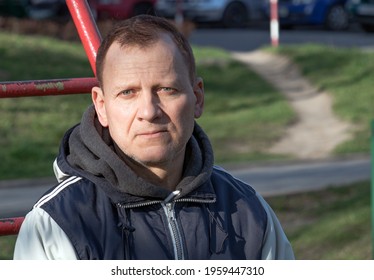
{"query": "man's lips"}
(152, 133)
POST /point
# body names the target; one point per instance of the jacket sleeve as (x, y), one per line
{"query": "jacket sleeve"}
(40, 238)
(276, 245)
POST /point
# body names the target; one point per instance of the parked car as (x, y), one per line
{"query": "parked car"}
(52, 9)
(12, 8)
(46, 9)
(231, 13)
(120, 9)
(362, 12)
(328, 13)
(36, 9)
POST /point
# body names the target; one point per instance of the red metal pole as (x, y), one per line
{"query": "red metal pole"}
(274, 23)
(10, 226)
(87, 29)
(47, 87)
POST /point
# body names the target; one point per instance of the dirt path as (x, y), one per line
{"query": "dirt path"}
(318, 131)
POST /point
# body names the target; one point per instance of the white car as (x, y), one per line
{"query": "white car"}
(231, 13)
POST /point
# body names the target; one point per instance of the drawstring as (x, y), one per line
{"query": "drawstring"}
(217, 234)
(127, 230)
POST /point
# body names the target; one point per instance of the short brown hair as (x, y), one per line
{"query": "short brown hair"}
(143, 31)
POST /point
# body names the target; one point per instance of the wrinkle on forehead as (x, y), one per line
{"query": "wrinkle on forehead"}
(161, 59)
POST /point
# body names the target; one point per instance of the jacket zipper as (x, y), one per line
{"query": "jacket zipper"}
(168, 206)
(174, 230)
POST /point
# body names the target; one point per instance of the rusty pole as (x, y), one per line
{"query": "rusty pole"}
(47, 87)
(10, 226)
(87, 29)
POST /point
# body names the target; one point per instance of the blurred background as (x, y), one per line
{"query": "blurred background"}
(335, 15)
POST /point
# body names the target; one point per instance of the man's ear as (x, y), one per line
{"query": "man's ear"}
(99, 101)
(198, 90)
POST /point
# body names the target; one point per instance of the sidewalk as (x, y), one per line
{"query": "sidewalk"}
(318, 131)
(281, 178)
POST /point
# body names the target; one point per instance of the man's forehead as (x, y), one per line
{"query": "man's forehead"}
(149, 43)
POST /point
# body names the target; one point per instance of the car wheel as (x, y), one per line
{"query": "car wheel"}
(337, 18)
(286, 26)
(367, 27)
(235, 15)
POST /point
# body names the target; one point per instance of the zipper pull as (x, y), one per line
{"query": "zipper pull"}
(172, 196)
(170, 211)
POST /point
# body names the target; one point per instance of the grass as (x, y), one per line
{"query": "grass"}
(31, 128)
(347, 74)
(235, 95)
(7, 247)
(333, 224)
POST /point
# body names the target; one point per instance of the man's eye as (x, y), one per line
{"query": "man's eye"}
(167, 89)
(127, 92)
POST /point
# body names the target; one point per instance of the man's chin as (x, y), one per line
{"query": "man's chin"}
(151, 159)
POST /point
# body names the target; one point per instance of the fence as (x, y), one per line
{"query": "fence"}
(91, 39)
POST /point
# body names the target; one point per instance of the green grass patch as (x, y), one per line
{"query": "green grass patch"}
(347, 74)
(243, 114)
(7, 247)
(31, 128)
(331, 224)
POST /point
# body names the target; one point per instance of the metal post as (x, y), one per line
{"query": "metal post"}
(47, 87)
(87, 29)
(10, 226)
(274, 23)
(372, 187)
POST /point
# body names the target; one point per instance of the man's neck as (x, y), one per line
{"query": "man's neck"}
(166, 175)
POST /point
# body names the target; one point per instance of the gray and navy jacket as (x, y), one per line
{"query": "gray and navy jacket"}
(101, 209)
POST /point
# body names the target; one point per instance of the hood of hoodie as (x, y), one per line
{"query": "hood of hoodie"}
(88, 151)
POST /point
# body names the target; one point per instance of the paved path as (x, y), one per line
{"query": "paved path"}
(317, 130)
(303, 176)
(18, 196)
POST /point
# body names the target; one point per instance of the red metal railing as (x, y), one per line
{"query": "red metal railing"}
(10, 226)
(87, 28)
(90, 38)
(46, 87)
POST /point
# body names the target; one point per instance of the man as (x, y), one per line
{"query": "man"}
(136, 176)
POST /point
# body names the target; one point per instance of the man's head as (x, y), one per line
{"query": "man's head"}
(149, 96)
(142, 31)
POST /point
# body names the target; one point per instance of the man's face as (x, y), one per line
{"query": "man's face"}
(148, 102)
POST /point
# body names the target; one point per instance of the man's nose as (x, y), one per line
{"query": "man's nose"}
(149, 106)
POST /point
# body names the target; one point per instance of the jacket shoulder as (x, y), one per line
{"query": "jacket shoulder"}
(79, 207)
(221, 178)
(59, 190)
